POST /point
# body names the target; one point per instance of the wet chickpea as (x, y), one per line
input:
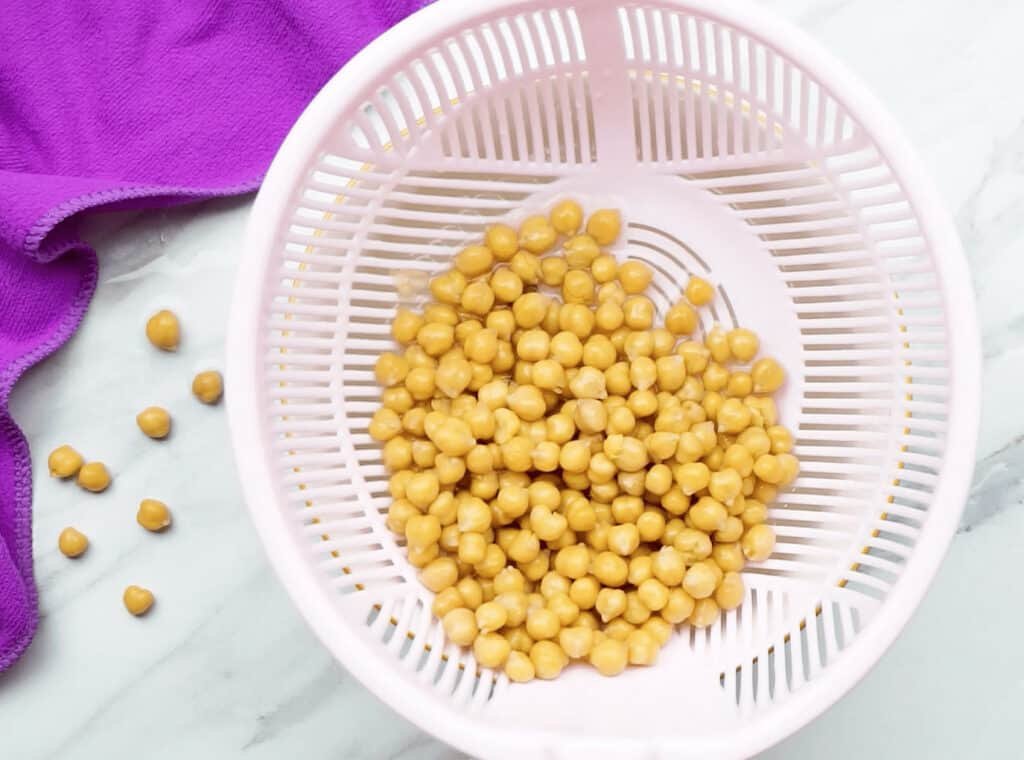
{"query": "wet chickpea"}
(604, 226)
(699, 291)
(536, 234)
(634, 276)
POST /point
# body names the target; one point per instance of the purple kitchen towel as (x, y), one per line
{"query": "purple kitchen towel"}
(115, 103)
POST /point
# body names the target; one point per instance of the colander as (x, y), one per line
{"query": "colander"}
(737, 149)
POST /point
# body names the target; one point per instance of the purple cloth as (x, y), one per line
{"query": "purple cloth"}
(111, 103)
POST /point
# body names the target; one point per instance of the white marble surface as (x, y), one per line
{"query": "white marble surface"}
(223, 666)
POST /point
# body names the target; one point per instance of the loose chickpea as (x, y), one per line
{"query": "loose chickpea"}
(548, 659)
(72, 543)
(208, 386)
(609, 656)
(693, 545)
(610, 603)
(542, 623)
(578, 287)
(604, 226)
(163, 330)
(519, 668)
(490, 616)
(610, 569)
(474, 260)
(472, 594)
(705, 612)
(566, 217)
(529, 309)
(506, 284)
(137, 600)
(681, 319)
(634, 276)
(406, 325)
(448, 287)
(93, 476)
(153, 515)
(604, 268)
(643, 648)
(699, 291)
(477, 298)
(460, 626)
(767, 375)
(758, 542)
(502, 240)
(638, 314)
(64, 462)
(536, 234)
(700, 581)
(155, 422)
(581, 250)
(693, 477)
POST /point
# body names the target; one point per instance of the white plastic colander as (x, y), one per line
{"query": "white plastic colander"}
(737, 149)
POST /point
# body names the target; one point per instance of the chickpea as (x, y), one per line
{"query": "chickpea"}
(94, 476)
(643, 648)
(153, 515)
(553, 270)
(474, 260)
(609, 656)
(137, 600)
(566, 217)
(536, 234)
(163, 330)
(634, 276)
(64, 462)
(519, 667)
(767, 375)
(638, 314)
(154, 421)
(548, 659)
(406, 325)
(699, 291)
(208, 386)
(72, 543)
(610, 569)
(604, 226)
(578, 287)
(758, 542)
(477, 298)
(448, 287)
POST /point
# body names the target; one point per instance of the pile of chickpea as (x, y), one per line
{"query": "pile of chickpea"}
(571, 480)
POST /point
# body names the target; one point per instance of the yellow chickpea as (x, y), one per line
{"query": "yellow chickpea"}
(536, 234)
(502, 240)
(153, 515)
(634, 276)
(604, 226)
(72, 543)
(474, 260)
(548, 659)
(699, 291)
(506, 285)
(681, 319)
(64, 462)
(609, 657)
(519, 667)
(155, 422)
(208, 386)
(163, 330)
(94, 476)
(566, 217)
(137, 600)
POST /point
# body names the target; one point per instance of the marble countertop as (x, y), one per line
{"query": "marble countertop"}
(199, 678)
